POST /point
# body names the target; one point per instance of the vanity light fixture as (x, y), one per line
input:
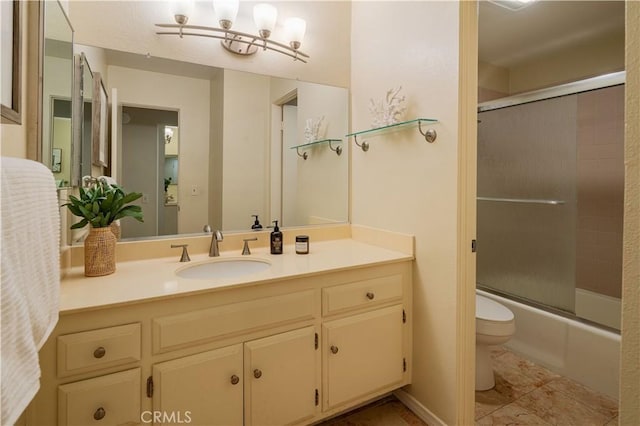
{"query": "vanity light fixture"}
(239, 43)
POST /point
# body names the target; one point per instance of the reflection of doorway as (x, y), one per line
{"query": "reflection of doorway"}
(144, 142)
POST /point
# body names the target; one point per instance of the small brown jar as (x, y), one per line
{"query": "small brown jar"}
(302, 244)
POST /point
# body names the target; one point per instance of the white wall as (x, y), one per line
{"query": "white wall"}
(129, 26)
(405, 184)
(190, 96)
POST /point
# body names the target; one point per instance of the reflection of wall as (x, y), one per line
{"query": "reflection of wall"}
(323, 179)
(215, 151)
(191, 97)
(57, 83)
(245, 149)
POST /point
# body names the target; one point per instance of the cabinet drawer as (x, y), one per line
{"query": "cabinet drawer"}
(206, 325)
(113, 399)
(361, 293)
(95, 349)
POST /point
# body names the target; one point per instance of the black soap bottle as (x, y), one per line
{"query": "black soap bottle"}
(256, 224)
(276, 239)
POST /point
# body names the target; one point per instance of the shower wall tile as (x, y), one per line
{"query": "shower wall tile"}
(600, 190)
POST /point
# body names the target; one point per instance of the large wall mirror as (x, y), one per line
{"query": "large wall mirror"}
(212, 146)
(57, 94)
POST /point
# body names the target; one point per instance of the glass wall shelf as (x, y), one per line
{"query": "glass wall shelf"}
(337, 150)
(430, 135)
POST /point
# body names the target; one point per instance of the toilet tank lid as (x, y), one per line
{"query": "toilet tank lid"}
(491, 310)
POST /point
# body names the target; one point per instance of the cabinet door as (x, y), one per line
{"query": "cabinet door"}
(362, 354)
(281, 375)
(202, 389)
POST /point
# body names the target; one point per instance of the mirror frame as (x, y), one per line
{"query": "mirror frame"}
(13, 113)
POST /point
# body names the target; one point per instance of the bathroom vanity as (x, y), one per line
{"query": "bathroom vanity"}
(310, 337)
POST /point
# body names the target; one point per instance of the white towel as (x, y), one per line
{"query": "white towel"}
(30, 224)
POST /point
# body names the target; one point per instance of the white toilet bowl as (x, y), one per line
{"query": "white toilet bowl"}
(495, 324)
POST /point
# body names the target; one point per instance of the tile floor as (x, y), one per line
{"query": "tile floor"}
(387, 411)
(525, 394)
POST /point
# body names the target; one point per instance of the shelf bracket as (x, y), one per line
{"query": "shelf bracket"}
(364, 145)
(430, 135)
(303, 155)
(337, 150)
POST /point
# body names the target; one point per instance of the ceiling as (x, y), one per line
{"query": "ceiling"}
(507, 38)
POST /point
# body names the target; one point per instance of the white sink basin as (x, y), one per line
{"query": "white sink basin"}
(223, 268)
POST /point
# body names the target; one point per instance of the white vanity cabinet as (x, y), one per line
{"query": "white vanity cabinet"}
(281, 378)
(272, 381)
(203, 389)
(290, 351)
(363, 353)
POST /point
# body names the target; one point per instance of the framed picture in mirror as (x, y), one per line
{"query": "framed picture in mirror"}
(11, 61)
(100, 125)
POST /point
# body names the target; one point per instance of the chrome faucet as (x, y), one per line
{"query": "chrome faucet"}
(214, 251)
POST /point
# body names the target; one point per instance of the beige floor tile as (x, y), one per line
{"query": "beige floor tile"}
(557, 408)
(612, 422)
(511, 415)
(386, 412)
(594, 400)
(525, 367)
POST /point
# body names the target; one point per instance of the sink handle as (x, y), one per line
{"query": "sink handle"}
(185, 254)
(245, 249)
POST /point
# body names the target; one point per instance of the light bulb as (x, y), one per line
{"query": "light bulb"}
(181, 10)
(226, 12)
(264, 16)
(295, 29)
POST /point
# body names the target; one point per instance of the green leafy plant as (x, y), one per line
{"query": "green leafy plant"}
(102, 203)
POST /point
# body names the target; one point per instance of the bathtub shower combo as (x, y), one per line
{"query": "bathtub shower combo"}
(550, 208)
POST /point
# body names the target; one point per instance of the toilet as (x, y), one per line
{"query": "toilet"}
(495, 324)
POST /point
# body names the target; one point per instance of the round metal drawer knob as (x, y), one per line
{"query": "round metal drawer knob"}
(334, 349)
(370, 296)
(257, 373)
(99, 414)
(100, 352)
(235, 380)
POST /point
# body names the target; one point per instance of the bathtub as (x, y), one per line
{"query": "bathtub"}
(579, 351)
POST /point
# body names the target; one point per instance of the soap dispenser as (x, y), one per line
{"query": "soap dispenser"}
(276, 239)
(256, 225)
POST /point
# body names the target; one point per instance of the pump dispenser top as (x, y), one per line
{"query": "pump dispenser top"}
(276, 239)
(256, 224)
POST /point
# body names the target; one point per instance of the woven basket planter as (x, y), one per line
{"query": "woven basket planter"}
(99, 252)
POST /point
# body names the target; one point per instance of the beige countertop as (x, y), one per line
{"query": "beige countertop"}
(144, 280)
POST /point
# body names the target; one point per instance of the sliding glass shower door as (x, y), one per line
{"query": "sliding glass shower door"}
(527, 201)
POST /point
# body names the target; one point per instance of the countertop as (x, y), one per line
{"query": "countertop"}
(145, 280)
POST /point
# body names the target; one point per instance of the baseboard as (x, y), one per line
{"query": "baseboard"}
(418, 409)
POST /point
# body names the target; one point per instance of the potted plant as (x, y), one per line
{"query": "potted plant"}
(98, 206)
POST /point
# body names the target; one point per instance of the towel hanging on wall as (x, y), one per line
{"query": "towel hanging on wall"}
(30, 226)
